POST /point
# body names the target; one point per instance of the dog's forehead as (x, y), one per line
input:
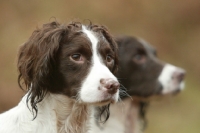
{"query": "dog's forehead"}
(90, 35)
(146, 45)
(96, 39)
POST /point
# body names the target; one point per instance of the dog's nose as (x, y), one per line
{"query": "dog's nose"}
(111, 85)
(179, 74)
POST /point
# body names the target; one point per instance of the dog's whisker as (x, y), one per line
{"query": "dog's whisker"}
(123, 87)
(123, 92)
(121, 78)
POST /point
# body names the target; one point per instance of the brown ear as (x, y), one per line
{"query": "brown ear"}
(114, 46)
(36, 61)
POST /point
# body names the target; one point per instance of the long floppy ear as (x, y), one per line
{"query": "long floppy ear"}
(114, 46)
(36, 62)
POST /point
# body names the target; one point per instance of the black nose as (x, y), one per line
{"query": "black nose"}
(179, 74)
(111, 85)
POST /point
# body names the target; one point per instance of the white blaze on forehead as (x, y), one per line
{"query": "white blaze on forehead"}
(93, 40)
(89, 91)
(96, 59)
(170, 83)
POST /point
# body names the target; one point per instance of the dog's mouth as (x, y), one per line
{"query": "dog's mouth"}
(104, 102)
(104, 99)
(174, 88)
(179, 88)
(112, 98)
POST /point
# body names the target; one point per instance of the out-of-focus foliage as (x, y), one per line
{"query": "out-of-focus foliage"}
(172, 26)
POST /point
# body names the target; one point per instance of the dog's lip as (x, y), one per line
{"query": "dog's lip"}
(177, 91)
(111, 100)
(105, 101)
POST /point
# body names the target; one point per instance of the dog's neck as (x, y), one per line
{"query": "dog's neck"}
(72, 117)
(129, 112)
(124, 118)
(69, 115)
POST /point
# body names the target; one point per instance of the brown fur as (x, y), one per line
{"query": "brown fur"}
(42, 64)
(53, 79)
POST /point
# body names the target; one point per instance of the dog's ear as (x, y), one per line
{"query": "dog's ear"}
(36, 62)
(114, 46)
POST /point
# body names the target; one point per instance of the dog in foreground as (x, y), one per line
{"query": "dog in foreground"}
(67, 70)
(144, 76)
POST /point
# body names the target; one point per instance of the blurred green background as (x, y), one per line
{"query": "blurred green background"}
(173, 27)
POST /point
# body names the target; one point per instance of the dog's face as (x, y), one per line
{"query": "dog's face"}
(86, 62)
(142, 73)
(73, 60)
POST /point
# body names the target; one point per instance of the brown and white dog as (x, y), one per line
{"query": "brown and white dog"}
(144, 76)
(67, 69)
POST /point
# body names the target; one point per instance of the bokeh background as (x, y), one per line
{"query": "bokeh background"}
(172, 26)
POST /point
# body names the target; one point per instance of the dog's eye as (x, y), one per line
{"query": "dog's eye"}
(109, 58)
(76, 57)
(139, 58)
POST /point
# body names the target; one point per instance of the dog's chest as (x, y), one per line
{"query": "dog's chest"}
(72, 117)
(124, 118)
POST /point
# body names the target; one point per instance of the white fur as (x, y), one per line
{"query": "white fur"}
(55, 115)
(59, 113)
(170, 84)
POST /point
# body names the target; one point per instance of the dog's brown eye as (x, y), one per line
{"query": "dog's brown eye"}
(109, 58)
(139, 58)
(76, 57)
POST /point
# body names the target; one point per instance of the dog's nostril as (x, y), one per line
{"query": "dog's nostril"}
(179, 75)
(112, 89)
(110, 85)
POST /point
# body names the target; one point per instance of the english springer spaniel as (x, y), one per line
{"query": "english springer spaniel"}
(67, 69)
(144, 76)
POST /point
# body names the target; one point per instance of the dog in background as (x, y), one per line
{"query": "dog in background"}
(144, 76)
(66, 69)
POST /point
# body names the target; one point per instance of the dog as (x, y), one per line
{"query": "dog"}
(67, 70)
(144, 76)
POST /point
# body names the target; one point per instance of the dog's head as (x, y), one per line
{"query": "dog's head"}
(142, 73)
(73, 60)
